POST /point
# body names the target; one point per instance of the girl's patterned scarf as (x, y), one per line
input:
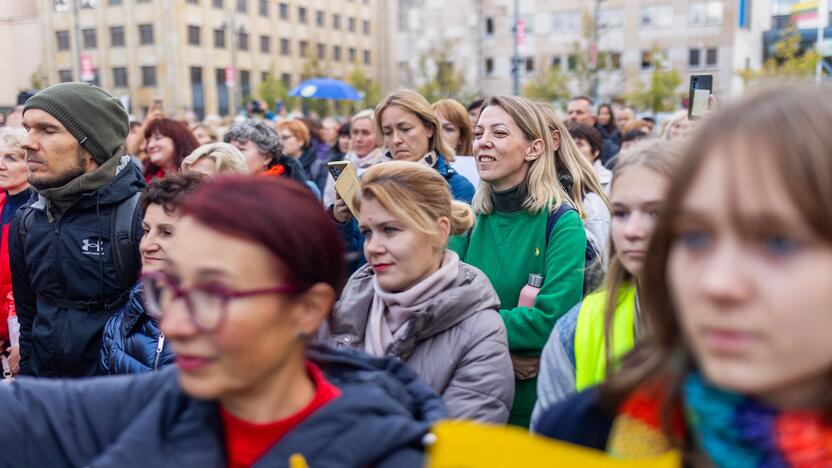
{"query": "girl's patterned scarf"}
(730, 429)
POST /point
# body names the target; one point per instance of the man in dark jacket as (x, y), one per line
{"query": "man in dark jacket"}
(71, 265)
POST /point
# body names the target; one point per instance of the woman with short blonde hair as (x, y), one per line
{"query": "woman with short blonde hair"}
(215, 159)
(417, 301)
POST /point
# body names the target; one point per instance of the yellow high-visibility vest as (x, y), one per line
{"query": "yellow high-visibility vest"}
(590, 350)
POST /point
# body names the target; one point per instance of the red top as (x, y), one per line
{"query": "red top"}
(246, 442)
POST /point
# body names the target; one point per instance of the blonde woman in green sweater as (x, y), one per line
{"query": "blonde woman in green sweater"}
(525, 225)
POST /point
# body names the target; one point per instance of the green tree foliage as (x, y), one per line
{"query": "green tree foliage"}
(312, 68)
(550, 86)
(272, 90)
(439, 78)
(661, 95)
(787, 62)
(364, 85)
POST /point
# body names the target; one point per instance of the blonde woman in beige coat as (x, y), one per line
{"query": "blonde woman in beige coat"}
(417, 301)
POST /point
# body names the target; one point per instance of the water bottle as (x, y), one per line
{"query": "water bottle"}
(529, 292)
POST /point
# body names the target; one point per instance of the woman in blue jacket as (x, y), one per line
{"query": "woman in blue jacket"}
(238, 298)
(132, 342)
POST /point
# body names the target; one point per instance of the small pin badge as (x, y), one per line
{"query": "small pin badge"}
(537, 251)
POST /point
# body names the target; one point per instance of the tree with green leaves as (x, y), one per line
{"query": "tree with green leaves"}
(550, 86)
(787, 62)
(370, 91)
(438, 77)
(272, 90)
(661, 95)
(312, 68)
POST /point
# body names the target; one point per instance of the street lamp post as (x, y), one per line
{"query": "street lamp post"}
(76, 17)
(516, 58)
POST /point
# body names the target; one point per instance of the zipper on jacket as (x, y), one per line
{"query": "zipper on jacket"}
(159, 346)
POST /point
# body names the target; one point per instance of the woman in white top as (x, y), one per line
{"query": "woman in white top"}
(456, 130)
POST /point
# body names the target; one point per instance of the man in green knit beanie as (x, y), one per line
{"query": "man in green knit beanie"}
(74, 249)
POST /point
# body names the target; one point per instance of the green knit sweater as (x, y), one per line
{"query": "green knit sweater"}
(507, 247)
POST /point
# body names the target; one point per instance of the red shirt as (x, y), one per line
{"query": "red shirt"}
(246, 442)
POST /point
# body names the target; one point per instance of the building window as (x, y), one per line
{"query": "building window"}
(283, 10)
(193, 35)
(242, 40)
(650, 60)
(352, 54)
(222, 91)
(115, 2)
(149, 77)
(657, 16)
(64, 76)
(242, 6)
(119, 77)
(321, 51)
(615, 60)
(265, 44)
(219, 38)
(263, 8)
(566, 23)
(366, 57)
(304, 46)
(336, 21)
(611, 19)
(489, 26)
(489, 66)
(218, 4)
(365, 27)
(572, 62)
(319, 18)
(336, 53)
(146, 34)
(286, 78)
(705, 13)
(711, 57)
(285, 47)
(117, 36)
(302, 15)
(90, 39)
(193, 2)
(245, 83)
(88, 4)
(557, 62)
(62, 37)
(528, 24)
(694, 58)
(351, 24)
(529, 64)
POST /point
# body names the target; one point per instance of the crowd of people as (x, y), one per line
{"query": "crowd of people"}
(590, 278)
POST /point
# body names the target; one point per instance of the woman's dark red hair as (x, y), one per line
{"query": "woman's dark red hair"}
(184, 142)
(279, 214)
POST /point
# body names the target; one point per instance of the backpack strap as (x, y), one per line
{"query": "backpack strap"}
(23, 226)
(125, 245)
(554, 217)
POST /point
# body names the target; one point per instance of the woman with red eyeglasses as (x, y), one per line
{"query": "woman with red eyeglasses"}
(238, 299)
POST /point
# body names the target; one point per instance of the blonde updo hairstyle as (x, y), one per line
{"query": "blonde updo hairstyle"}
(416, 195)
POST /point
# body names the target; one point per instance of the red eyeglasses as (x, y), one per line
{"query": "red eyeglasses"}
(206, 304)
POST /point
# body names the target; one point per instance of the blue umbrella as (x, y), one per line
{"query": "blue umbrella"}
(325, 88)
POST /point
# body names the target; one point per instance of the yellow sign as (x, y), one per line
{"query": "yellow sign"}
(461, 444)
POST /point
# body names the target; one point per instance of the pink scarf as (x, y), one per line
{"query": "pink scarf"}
(390, 311)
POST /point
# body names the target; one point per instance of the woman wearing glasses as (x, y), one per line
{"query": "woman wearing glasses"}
(238, 300)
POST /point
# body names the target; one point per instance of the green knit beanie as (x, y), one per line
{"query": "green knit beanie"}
(94, 117)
